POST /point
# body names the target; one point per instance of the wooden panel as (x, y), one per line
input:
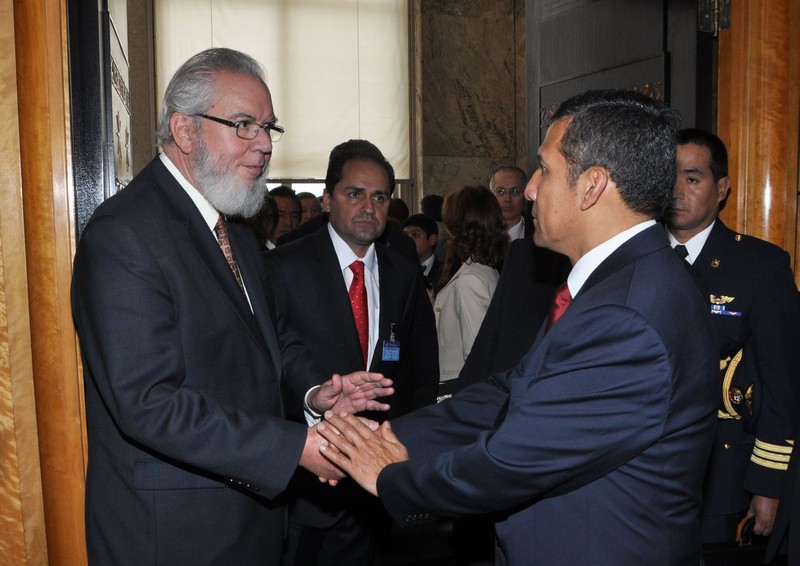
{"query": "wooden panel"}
(40, 28)
(758, 118)
(22, 536)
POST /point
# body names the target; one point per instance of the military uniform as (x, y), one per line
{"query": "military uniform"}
(754, 303)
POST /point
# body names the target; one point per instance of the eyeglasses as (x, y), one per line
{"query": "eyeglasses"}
(248, 130)
(514, 192)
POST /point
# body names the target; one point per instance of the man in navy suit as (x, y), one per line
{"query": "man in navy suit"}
(312, 278)
(188, 444)
(592, 449)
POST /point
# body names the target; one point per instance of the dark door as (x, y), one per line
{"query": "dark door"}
(652, 46)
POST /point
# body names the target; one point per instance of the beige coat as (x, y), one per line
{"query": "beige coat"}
(460, 307)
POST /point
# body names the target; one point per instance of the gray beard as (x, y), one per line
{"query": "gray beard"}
(224, 191)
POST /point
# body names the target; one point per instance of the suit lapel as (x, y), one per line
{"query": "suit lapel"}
(715, 246)
(645, 242)
(389, 299)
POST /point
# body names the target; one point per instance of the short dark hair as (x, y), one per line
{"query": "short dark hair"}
(632, 136)
(306, 194)
(398, 209)
(283, 191)
(718, 161)
(355, 150)
(431, 205)
(424, 222)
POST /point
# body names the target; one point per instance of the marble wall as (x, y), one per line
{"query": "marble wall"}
(471, 91)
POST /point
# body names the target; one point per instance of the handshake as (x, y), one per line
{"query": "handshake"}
(344, 443)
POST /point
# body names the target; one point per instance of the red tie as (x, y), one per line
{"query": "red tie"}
(221, 228)
(561, 301)
(358, 302)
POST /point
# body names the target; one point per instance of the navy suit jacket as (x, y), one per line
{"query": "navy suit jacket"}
(593, 447)
(188, 446)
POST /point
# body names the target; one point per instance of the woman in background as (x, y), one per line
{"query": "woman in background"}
(475, 253)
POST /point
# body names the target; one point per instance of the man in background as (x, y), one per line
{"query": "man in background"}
(310, 206)
(357, 304)
(290, 210)
(753, 300)
(431, 206)
(508, 185)
(425, 233)
(188, 447)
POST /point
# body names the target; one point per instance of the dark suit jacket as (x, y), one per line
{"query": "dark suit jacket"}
(311, 298)
(433, 276)
(759, 313)
(594, 445)
(520, 303)
(187, 441)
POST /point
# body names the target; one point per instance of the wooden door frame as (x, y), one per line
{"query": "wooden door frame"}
(758, 93)
(42, 69)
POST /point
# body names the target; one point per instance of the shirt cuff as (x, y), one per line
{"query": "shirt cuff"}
(312, 417)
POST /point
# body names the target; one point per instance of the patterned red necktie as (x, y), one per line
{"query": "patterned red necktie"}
(561, 301)
(221, 228)
(358, 301)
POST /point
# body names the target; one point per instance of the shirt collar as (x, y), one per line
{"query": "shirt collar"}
(428, 264)
(586, 265)
(209, 213)
(346, 256)
(517, 231)
(694, 245)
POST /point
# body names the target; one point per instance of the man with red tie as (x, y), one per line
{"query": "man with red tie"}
(355, 303)
(592, 449)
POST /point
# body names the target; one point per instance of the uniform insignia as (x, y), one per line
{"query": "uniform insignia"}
(748, 400)
(735, 395)
(718, 305)
(714, 263)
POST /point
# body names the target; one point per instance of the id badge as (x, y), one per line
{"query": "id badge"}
(391, 348)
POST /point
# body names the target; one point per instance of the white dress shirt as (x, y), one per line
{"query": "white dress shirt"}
(695, 244)
(586, 265)
(346, 256)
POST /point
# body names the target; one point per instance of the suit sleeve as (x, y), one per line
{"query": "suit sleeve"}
(772, 352)
(141, 358)
(589, 404)
(298, 368)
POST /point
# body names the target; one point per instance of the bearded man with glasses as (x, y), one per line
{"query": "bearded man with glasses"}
(188, 447)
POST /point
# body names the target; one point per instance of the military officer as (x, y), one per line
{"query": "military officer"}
(754, 305)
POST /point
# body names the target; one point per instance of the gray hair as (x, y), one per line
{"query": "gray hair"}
(191, 89)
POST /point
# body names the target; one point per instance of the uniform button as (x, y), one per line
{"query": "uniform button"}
(727, 446)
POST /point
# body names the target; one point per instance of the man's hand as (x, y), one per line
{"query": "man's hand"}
(764, 509)
(312, 460)
(359, 451)
(351, 393)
